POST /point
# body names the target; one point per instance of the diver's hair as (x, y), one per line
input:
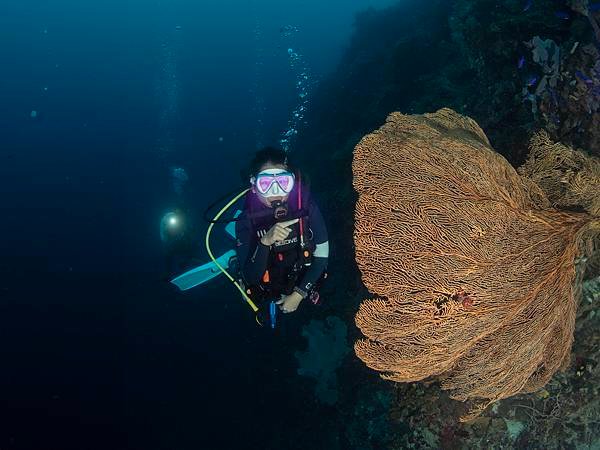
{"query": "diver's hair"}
(266, 155)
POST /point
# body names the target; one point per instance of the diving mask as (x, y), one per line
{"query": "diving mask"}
(274, 182)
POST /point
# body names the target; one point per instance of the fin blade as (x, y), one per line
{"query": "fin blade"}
(201, 274)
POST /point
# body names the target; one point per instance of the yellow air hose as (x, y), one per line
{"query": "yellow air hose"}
(210, 253)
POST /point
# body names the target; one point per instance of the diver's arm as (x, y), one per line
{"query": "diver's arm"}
(311, 276)
(321, 253)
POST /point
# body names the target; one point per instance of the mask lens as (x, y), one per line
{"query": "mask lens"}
(263, 183)
(285, 182)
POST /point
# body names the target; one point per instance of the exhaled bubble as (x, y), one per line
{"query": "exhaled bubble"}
(180, 178)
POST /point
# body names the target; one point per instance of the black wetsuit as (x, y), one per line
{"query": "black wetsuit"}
(281, 260)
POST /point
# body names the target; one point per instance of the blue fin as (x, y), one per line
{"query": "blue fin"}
(203, 273)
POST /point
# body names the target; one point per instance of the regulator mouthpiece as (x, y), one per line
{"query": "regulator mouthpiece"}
(280, 209)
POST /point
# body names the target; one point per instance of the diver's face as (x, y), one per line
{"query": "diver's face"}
(277, 194)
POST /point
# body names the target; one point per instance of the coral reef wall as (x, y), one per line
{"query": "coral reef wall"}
(515, 67)
(479, 58)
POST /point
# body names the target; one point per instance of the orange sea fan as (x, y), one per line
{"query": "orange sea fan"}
(472, 268)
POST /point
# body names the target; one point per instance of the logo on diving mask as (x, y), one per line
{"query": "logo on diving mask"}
(280, 209)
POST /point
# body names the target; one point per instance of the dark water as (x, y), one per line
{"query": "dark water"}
(98, 102)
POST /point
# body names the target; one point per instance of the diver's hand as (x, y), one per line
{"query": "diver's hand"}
(278, 232)
(289, 303)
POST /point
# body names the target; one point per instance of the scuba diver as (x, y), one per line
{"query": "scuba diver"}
(179, 244)
(282, 244)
